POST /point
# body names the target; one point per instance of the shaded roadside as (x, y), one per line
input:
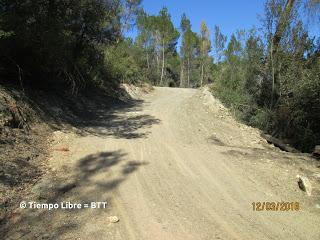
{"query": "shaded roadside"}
(24, 152)
(82, 184)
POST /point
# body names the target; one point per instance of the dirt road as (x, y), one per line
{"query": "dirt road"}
(174, 165)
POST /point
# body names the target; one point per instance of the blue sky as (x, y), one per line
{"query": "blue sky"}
(230, 15)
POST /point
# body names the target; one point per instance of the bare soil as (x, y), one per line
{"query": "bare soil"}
(172, 165)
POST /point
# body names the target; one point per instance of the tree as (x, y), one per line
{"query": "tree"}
(279, 14)
(168, 36)
(219, 43)
(205, 48)
(273, 82)
(189, 47)
(158, 35)
(146, 41)
(184, 25)
(59, 42)
(253, 56)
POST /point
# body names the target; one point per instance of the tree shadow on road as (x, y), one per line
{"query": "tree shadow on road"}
(98, 114)
(92, 180)
(92, 113)
(124, 121)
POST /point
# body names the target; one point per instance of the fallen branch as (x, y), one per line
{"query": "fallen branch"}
(278, 143)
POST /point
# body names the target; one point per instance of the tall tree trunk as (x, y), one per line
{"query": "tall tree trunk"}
(162, 69)
(202, 73)
(182, 74)
(148, 64)
(158, 63)
(202, 61)
(188, 71)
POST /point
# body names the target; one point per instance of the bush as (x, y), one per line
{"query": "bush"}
(55, 43)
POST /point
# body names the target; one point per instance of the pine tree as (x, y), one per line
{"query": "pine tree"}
(189, 47)
(205, 48)
(168, 36)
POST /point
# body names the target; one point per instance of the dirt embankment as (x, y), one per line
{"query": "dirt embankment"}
(23, 146)
(27, 121)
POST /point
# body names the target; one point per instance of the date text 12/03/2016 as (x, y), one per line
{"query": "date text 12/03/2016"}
(275, 206)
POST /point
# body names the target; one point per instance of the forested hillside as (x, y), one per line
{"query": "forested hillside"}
(269, 75)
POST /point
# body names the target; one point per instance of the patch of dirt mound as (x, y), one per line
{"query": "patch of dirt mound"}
(213, 103)
(227, 130)
(128, 91)
(22, 149)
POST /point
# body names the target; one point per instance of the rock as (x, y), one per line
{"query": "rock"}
(113, 219)
(45, 236)
(316, 151)
(305, 185)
